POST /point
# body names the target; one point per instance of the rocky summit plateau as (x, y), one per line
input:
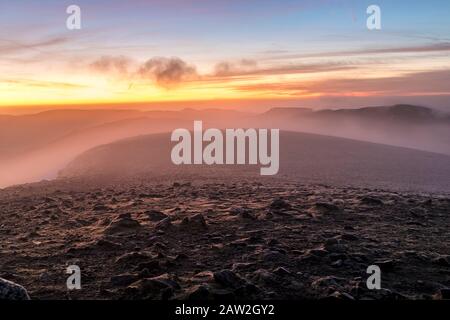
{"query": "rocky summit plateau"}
(223, 238)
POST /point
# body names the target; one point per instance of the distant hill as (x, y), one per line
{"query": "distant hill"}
(25, 133)
(401, 113)
(305, 157)
(398, 113)
(400, 125)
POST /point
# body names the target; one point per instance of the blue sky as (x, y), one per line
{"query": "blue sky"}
(248, 25)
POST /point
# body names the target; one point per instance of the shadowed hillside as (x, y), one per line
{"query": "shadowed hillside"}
(305, 157)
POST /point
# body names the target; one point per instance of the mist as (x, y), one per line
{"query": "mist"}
(36, 147)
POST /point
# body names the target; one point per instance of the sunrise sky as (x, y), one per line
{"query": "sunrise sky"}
(306, 52)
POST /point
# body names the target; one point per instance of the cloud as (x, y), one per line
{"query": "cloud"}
(172, 72)
(43, 84)
(112, 64)
(164, 72)
(227, 68)
(430, 82)
(420, 83)
(167, 72)
(247, 68)
(439, 47)
(10, 46)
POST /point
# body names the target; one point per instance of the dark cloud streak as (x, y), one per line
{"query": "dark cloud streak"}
(430, 82)
(10, 46)
(439, 47)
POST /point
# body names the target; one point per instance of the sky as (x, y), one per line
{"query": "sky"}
(297, 53)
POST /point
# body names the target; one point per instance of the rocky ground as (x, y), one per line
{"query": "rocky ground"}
(223, 239)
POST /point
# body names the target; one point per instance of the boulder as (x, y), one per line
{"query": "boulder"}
(12, 291)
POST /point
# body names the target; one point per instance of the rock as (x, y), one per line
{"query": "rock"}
(228, 279)
(198, 292)
(327, 283)
(155, 215)
(265, 216)
(349, 237)
(161, 287)
(318, 252)
(107, 245)
(164, 224)
(202, 277)
(48, 200)
(385, 265)
(445, 293)
(279, 204)
(239, 243)
(195, 222)
(100, 207)
(246, 292)
(326, 207)
(198, 220)
(12, 291)
(150, 265)
(307, 257)
(148, 289)
(281, 271)
(181, 257)
(125, 215)
(100, 244)
(386, 294)
(124, 279)
(104, 222)
(167, 279)
(254, 239)
(244, 213)
(272, 242)
(337, 256)
(272, 256)
(132, 258)
(240, 266)
(338, 263)
(442, 261)
(359, 257)
(418, 212)
(372, 201)
(331, 242)
(224, 294)
(337, 295)
(265, 277)
(159, 246)
(123, 224)
(335, 245)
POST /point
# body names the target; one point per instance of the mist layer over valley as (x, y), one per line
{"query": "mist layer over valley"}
(38, 146)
